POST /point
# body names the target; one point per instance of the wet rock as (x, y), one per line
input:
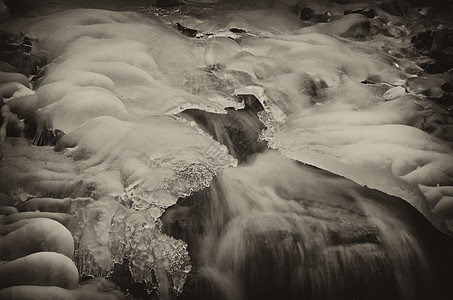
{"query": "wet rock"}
(16, 50)
(442, 51)
(444, 61)
(395, 30)
(306, 13)
(439, 46)
(424, 62)
(419, 84)
(186, 31)
(438, 125)
(423, 40)
(367, 12)
(322, 18)
(184, 223)
(372, 79)
(396, 8)
(121, 275)
(166, 3)
(238, 130)
(237, 30)
(447, 87)
(38, 64)
(442, 39)
(48, 137)
(4, 11)
(355, 26)
(435, 92)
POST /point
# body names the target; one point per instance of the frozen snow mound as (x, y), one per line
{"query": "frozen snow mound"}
(133, 60)
(147, 163)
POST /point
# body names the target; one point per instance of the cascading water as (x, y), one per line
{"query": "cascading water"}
(276, 229)
(279, 230)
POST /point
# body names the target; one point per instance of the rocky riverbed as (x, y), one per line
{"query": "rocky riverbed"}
(226, 149)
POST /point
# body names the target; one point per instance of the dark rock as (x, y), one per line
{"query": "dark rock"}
(306, 13)
(183, 223)
(434, 93)
(238, 130)
(186, 31)
(48, 137)
(322, 18)
(237, 30)
(419, 84)
(86, 277)
(442, 39)
(396, 8)
(439, 46)
(20, 7)
(166, 3)
(372, 79)
(424, 61)
(353, 26)
(367, 12)
(423, 40)
(121, 275)
(26, 45)
(444, 61)
(15, 49)
(38, 64)
(4, 12)
(447, 87)
(442, 51)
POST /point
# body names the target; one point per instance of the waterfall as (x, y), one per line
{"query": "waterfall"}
(276, 229)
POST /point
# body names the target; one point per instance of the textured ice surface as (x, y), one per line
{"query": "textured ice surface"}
(119, 222)
(113, 78)
(151, 68)
(148, 163)
(106, 232)
(117, 78)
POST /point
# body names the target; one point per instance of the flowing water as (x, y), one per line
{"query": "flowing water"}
(273, 228)
(257, 158)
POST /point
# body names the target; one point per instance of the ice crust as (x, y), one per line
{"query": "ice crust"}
(117, 79)
(113, 85)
